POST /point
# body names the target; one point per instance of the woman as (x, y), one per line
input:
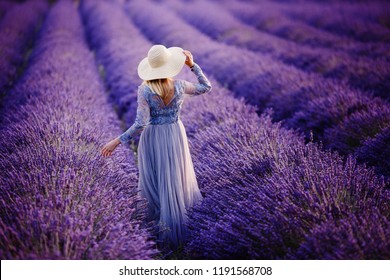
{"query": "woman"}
(166, 173)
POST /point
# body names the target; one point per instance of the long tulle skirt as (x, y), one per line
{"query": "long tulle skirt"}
(167, 179)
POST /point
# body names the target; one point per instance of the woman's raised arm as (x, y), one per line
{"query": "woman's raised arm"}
(201, 87)
(203, 84)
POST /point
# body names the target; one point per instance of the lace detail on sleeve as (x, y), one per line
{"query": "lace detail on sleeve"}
(141, 121)
(201, 87)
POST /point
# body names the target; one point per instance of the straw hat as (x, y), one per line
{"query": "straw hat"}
(161, 63)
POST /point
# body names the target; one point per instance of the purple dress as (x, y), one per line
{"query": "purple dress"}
(166, 173)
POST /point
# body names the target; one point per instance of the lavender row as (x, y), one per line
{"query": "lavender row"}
(271, 197)
(365, 21)
(17, 30)
(60, 199)
(270, 18)
(353, 25)
(376, 11)
(245, 139)
(375, 152)
(348, 122)
(304, 101)
(379, 13)
(358, 131)
(119, 47)
(366, 74)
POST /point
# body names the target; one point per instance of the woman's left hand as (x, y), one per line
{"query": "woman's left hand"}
(110, 147)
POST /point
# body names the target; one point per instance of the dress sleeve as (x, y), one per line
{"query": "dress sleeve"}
(201, 87)
(141, 121)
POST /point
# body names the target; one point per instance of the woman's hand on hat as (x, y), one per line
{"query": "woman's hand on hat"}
(110, 147)
(189, 59)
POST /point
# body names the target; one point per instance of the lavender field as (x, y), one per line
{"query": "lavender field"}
(290, 147)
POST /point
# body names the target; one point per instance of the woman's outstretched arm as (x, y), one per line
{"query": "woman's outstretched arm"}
(203, 84)
(141, 121)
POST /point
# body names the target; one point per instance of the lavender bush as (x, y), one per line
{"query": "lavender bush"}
(17, 30)
(325, 112)
(375, 152)
(358, 127)
(60, 199)
(327, 241)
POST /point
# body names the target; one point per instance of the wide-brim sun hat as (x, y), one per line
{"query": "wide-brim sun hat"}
(161, 62)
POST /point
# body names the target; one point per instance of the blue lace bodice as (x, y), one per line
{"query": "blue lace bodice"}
(151, 109)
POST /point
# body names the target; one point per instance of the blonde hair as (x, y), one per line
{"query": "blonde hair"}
(160, 86)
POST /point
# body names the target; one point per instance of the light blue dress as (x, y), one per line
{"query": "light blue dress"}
(166, 173)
